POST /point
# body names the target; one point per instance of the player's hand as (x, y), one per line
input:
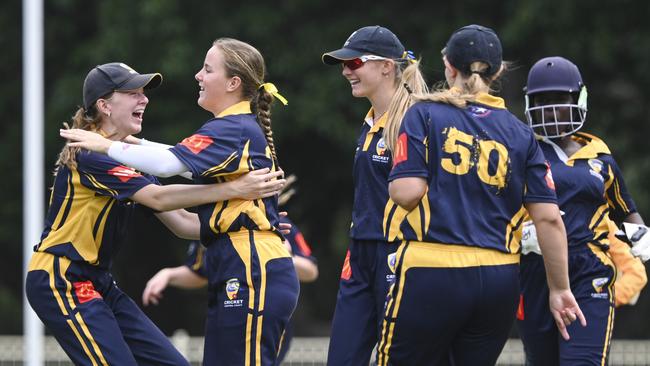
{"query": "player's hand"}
(529, 243)
(638, 236)
(288, 246)
(86, 140)
(259, 183)
(153, 292)
(131, 140)
(565, 310)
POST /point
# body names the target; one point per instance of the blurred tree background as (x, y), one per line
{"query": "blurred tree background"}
(316, 133)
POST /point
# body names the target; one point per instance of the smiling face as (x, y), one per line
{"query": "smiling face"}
(216, 88)
(124, 112)
(371, 78)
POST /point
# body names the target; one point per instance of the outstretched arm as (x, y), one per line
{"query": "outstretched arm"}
(552, 241)
(181, 276)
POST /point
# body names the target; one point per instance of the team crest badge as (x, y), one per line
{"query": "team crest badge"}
(599, 283)
(596, 165)
(232, 288)
(381, 146)
(479, 111)
(392, 261)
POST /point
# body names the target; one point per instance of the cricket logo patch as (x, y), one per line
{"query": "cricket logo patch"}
(599, 284)
(232, 291)
(596, 168)
(380, 152)
(392, 265)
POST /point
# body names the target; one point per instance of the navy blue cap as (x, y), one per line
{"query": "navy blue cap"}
(115, 76)
(371, 40)
(474, 43)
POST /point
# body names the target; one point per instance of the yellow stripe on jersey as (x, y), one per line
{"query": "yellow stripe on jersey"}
(598, 224)
(225, 214)
(513, 230)
(214, 171)
(245, 164)
(69, 194)
(419, 223)
(392, 230)
(100, 186)
(78, 228)
(617, 192)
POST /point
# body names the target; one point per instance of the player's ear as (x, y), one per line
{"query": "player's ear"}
(233, 83)
(103, 107)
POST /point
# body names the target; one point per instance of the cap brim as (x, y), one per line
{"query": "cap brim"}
(340, 55)
(146, 81)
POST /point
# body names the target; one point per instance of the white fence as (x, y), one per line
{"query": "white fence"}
(308, 351)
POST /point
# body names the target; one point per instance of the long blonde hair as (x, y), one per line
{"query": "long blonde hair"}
(409, 81)
(473, 84)
(245, 61)
(86, 120)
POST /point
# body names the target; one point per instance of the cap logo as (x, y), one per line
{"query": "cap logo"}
(347, 41)
(128, 68)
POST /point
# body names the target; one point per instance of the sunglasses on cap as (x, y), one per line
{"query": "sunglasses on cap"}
(356, 63)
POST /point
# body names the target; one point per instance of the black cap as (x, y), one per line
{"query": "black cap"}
(115, 76)
(474, 43)
(371, 40)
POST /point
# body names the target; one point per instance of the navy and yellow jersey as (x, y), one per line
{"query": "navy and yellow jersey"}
(223, 149)
(589, 186)
(299, 246)
(196, 252)
(195, 259)
(372, 209)
(481, 165)
(90, 209)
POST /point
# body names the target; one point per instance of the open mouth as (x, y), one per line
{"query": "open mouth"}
(138, 115)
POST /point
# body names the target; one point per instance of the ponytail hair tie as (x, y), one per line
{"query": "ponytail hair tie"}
(408, 88)
(409, 56)
(271, 89)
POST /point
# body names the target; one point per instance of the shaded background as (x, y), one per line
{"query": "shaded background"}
(316, 133)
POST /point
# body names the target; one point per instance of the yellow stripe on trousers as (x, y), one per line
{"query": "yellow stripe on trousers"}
(45, 262)
(431, 255)
(268, 246)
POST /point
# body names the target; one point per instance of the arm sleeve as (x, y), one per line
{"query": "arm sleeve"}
(540, 187)
(410, 156)
(145, 142)
(151, 160)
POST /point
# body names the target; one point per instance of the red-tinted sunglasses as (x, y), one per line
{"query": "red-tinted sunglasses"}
(356, 63)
